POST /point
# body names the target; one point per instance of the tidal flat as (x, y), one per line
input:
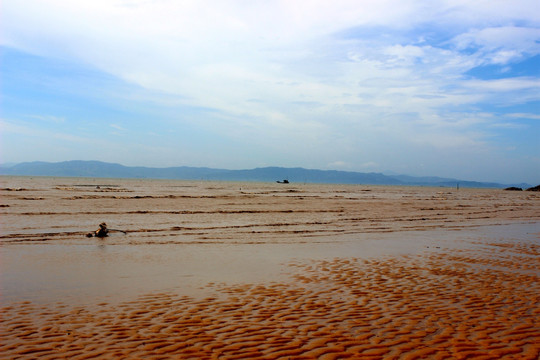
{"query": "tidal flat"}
(229, 270)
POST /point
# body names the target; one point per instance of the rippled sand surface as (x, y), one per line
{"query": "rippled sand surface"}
(254, 270)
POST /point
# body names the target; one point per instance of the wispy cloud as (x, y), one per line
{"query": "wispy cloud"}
(324, 77)
(48, 118)
(117, 127)
(500, 45)
(10, 128)
(524, 116)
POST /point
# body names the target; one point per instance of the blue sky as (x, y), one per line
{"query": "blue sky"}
(444, 88)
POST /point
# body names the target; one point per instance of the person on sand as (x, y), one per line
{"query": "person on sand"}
(101, 232)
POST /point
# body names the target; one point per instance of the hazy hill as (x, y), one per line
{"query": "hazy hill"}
(78, 168)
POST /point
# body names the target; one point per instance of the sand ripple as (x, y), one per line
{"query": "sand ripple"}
(480, 303)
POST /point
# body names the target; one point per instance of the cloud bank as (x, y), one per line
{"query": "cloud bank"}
(422, 87)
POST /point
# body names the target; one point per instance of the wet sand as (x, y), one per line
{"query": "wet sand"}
(252, 270)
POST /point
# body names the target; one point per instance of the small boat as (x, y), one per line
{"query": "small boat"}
(283, 181)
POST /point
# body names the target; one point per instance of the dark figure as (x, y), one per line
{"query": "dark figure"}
(101, 232)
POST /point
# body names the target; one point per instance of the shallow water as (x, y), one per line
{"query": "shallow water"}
(181, 234)
(49, 272)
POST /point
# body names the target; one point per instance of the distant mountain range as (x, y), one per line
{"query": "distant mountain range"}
(78, 168)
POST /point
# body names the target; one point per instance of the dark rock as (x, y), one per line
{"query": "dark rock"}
(513, 188)
(536, 188)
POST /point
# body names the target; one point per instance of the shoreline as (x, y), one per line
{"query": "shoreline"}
(219, 272)
(121, 270)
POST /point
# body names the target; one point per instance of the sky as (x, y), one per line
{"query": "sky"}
(426, 88)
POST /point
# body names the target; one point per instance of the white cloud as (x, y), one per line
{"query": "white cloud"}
(506, 85)
(276, 72)
(524, 116)
(501, 45)
(10, 128)
(117, 127)
(48, 118)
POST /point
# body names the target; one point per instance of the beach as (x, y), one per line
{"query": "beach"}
(230, 270)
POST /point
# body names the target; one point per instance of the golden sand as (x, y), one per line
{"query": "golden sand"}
(240, 271)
